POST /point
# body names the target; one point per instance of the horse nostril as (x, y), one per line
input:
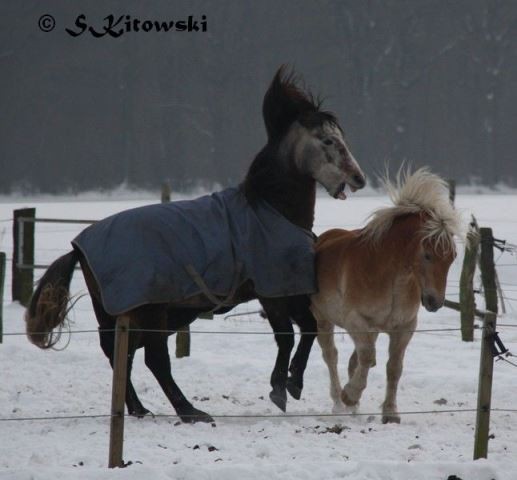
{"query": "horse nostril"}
(359, 180)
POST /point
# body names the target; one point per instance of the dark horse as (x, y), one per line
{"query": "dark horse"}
(305, 145)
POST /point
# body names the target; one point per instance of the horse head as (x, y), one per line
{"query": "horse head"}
(423, 225)
(433, 262)
(309, 139)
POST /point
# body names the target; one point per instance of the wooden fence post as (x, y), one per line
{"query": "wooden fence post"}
(183, 342)
(467, 299)
(2, 279)
(23, 254)
(183, 334)
(452, 190)
(486, 367)
(118, 395)
(486, 265)
(166, 192)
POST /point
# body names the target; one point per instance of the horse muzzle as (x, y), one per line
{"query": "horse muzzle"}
(431, 303)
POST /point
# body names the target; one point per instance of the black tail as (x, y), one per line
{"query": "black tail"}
(50, 302)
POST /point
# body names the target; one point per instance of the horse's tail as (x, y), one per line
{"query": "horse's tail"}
(50, 302)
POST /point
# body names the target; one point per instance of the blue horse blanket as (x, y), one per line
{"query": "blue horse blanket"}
(148, 254)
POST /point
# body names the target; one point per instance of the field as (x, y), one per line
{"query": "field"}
(228, 374)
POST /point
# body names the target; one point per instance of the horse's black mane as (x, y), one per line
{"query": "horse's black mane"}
(284, 103)
(287, 101)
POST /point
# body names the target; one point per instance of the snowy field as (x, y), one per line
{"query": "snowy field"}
(229, 375)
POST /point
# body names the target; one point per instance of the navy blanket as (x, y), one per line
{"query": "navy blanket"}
(140, 256)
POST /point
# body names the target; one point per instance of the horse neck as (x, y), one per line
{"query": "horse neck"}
(277, 182)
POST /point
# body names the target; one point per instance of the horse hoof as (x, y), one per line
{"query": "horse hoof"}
(294, 390)
(140, 412)
(390, 419)
(196, 416)
(347, 400)
(279, 400)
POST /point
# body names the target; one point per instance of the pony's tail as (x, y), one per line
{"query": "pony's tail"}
(50, 302)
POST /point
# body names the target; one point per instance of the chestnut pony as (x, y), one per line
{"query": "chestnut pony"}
(373, 280)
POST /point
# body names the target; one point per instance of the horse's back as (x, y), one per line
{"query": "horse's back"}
(333, 251)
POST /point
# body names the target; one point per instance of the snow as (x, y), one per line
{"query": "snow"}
(229, 375)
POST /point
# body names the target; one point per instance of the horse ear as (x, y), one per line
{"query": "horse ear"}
(280, 107)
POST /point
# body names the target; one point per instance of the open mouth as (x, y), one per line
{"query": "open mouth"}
(340, 192)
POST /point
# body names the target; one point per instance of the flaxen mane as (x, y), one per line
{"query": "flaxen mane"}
(421, 191)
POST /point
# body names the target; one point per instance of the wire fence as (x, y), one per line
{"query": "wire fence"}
(262, 416)
(283, 416)
(254, 332)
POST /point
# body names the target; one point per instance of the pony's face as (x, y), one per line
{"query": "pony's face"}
(319, 150)
(434, 262)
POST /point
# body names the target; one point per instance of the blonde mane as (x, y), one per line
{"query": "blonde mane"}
(421, 191)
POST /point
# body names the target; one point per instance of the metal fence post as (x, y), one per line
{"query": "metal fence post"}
(23, 254)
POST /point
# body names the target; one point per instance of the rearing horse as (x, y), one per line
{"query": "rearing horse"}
(373, 280)
(305, 145)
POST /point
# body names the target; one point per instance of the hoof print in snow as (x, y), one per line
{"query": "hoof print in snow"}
(416, 446)
(453, 477)
(440, 401)
(211, 448)
(337, 429)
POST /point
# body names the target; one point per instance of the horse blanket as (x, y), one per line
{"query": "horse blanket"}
(153, 254)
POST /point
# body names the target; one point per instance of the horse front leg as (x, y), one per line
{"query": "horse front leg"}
(397, 348)
(158, 361)
(308, 328)
(330, 356)
(365, 352)
(278, 316)
(352, 364)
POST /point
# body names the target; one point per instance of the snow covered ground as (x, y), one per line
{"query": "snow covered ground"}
(229, 375)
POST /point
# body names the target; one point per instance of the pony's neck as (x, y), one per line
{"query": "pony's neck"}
(277, 182)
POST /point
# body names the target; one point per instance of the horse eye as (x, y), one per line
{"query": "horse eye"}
(327, 141)
(427, 256)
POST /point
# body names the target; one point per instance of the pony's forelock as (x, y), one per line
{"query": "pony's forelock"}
(418, 192)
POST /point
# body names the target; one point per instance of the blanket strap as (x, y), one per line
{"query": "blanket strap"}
(198, 280)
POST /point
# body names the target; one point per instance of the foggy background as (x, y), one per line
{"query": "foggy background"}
(432, 82)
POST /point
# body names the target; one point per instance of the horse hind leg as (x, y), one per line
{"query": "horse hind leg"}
(158, 361)
(397, 348)
(107, 342)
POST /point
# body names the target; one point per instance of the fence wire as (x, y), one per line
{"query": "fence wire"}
(245, 332)
(266, 416)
